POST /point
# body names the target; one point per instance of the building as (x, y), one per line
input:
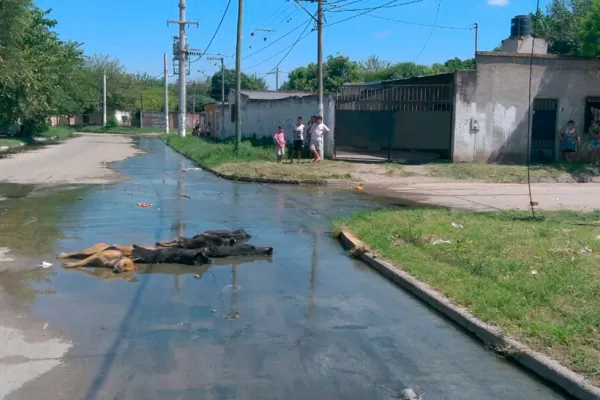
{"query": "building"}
(263, 111)
(215, 113)
(483, 115)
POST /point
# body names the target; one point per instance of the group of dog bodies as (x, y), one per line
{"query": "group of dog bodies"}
(198, 250)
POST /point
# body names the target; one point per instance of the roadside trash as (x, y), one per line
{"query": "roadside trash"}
(144, 205)
(45, 264)
(533, 203)
(214, 311)
(359, 187)
(408, 394)
(197, 276)
(191, 169)
(185, 195)
(31, 221)
(232, 316)
(458, 226)
(440, 241)
(534, 273)
(585, 250)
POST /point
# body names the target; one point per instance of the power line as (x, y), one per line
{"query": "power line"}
(278, 53)
(419, 24)
(275, 41)
(274, 14)
(437, 14)
(216, 31)
(292, 47)
(365, 8)
(373, 9)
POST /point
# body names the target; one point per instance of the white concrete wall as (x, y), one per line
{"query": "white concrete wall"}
(123, 117)
(496, 96)
(263, 117)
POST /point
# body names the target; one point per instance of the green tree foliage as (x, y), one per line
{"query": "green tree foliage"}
(248, 82)
(405, 70)
(336, 71)
(562, 23)
(373, 64)
(589, 31)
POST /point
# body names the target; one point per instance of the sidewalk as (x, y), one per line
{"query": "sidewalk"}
(481, 196)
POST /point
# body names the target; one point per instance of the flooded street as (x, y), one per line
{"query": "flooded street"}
(310, 323)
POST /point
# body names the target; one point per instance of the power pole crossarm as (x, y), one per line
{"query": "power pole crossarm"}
(182, 53)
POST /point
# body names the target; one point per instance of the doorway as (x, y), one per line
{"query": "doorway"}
(543, 130)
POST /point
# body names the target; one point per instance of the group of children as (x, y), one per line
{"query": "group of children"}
(313, 133)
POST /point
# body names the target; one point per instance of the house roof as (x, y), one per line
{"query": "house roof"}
(528, 55)
(273, 95)
(423, 79)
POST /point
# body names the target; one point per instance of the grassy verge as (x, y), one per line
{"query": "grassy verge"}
(509, 173)
(128, 130)
(60, 132)
(536, 280)
(6, 142)
(256, 159)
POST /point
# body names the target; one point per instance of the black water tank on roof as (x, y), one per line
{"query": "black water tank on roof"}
(520, 26)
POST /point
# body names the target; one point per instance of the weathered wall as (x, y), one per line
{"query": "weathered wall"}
(496, 96)
(263, 117)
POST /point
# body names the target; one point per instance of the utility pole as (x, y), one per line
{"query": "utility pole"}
(222, 59)
(238, 76)
(104, 121)
(194, 101)
(320, 54)
(166, 77)
(277, 78)
(182, 56)
(141, 109)
(476, 27)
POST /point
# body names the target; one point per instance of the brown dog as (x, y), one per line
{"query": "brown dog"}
(98, 247)
(110, 257)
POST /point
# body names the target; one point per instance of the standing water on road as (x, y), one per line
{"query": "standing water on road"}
(310, 323)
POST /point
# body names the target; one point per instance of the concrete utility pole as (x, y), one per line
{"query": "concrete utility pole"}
(277, 78)
(104, 121)
(476, 27)
(320, 54)
(238, 77)
(166, 78)
(182, 56)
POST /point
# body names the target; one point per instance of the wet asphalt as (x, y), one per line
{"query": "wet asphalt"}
(310, 323)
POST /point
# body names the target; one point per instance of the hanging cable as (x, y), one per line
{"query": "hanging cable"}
(437, 14)
(215, 34)
(292, 46)
(373, 9)
(419, 24)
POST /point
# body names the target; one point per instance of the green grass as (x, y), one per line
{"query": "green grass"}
(255, 160)
(538, 281)
(128, 130)
(509, 173)
(60, 132)
(11, 142)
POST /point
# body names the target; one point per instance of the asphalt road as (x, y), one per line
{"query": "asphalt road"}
(310, 323)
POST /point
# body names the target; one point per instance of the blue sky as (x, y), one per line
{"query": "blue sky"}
(135, 31)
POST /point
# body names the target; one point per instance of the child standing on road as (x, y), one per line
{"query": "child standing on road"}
(280, 143)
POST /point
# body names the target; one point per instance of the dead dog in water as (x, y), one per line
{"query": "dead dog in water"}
(209, 238)
(169, 255)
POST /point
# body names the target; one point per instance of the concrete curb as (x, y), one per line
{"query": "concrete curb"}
(543, 366)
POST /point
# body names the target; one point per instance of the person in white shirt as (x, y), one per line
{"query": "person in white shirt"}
(316, 141)
(298, 142)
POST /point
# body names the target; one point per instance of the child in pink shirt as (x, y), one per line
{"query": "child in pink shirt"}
(280, 143)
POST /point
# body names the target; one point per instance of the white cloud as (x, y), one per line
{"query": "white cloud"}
(382, 34)
(498, 3)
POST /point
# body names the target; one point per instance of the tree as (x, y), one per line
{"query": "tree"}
(247, 83)
(400, 70)
(373, 64)
(453, 64)
(589, 31)
(336, 71)
(561, 25)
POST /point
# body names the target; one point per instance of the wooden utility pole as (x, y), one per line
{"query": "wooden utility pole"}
(238, 77)
(166, 78)
(222, 59)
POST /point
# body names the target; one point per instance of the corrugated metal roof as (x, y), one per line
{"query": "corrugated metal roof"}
(273, 95)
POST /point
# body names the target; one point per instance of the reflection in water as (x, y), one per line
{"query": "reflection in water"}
(314, 266)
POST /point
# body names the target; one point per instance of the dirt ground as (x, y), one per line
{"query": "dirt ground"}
(412, 185)
(82, 160)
